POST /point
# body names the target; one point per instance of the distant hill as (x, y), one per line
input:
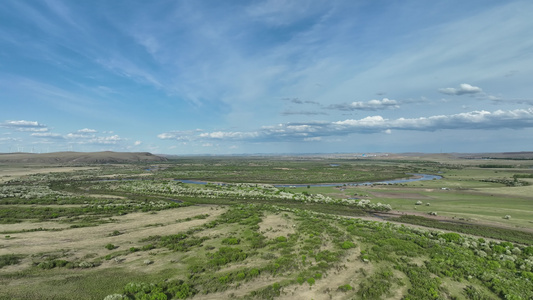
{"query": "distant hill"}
(106, 157)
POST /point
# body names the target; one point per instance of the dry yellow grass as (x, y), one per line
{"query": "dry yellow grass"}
(80, 242)
(275, 225)
(326, 288)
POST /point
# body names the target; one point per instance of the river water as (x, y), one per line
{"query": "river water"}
(415, 177)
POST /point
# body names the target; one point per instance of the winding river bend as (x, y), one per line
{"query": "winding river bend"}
(416, 177)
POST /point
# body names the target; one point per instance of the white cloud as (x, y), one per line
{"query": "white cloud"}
(180, 135)
(230, 135)
(32, 129)
(22, 124)
(464, 88)
(371, 105)
(314, 131)
(137, 143)
(108, 140)
(86, 130)
(47, 135)
(10, 139)
(79, 136)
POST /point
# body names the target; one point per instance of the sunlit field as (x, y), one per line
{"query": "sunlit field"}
(136, 231)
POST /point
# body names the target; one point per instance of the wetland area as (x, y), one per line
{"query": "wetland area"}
(277, 228)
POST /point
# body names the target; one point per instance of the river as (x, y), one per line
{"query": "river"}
(417, 177)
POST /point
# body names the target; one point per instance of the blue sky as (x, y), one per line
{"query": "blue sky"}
(229, 77)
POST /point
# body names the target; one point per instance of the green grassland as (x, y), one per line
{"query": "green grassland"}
(132, 231)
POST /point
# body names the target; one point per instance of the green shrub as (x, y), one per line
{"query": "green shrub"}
(345, 288)
(451, 237)
(48, 264)
(280, 239)
(9, 259)
(253, 272)
(147, 247)
(311, 281)
(347, 245)
(225, 255)
(231, 241)
(241, 276)
(110, 247)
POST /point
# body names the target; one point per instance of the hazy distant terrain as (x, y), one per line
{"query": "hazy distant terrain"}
(79, 157)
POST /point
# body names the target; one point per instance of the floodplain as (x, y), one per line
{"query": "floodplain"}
(136, 231)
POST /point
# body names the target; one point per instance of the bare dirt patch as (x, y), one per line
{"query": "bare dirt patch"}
(276, 225)
(326, 288)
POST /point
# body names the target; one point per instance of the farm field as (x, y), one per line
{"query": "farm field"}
(135, 231)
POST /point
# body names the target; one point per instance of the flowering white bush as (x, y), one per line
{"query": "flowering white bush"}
(237, 191)
(28, 191)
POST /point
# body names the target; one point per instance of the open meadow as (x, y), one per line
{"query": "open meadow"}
(268, 228)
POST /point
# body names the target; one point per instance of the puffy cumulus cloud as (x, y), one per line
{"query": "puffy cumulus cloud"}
(137, 143)
(514, 119)
(464, 88)
(314, 131)
(23, 125)
(371, 105)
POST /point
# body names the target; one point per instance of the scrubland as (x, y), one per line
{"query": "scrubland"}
(135, 231)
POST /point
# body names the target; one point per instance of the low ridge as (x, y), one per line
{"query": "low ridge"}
(105, 157)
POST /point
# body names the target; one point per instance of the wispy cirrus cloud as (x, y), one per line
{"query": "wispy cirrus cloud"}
(464, 88)
(179, 135)
(48, 135)
(498, 100)
(302, 112)
(299, 101)
(372, 105)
